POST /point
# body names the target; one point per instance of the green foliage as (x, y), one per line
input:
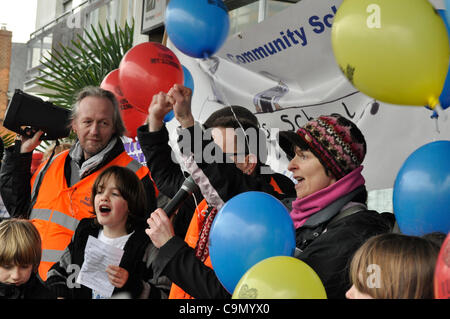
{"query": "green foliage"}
(85, 62)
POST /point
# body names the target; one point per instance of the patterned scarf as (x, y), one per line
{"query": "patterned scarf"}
(202, 249)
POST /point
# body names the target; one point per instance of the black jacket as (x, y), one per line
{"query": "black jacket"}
(15, 179)
(167, 174)
(176, 259)
(329, 253)
(327, 243)
(137, 251)
(32, 289)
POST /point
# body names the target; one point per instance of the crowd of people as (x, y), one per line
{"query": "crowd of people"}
(96, 189)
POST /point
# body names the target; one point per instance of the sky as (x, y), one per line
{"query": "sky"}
(20, 18)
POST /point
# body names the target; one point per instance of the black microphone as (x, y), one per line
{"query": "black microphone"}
(185, 191)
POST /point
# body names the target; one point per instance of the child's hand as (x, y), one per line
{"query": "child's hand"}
(117, 276)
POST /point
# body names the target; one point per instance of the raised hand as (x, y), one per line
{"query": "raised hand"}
(181, 97)
(161, 105)
(29, 144)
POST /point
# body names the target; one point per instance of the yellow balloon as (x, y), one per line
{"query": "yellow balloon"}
(280, 277)
(396, 51)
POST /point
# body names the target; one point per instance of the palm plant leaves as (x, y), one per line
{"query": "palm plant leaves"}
(85, 62)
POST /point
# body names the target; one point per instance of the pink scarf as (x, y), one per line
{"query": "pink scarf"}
(302, 208)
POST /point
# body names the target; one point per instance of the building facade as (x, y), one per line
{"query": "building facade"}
(5, 63)
(59, 22)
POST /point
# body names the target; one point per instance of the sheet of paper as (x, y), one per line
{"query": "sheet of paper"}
(97, 257)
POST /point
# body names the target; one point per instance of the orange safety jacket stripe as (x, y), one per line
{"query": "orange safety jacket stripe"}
(192, 236)
(59, 208)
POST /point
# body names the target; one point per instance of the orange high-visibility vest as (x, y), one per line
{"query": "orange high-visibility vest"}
(192, 236)
(59, 208)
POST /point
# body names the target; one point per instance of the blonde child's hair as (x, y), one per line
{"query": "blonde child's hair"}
(406, 267)
(20, 243)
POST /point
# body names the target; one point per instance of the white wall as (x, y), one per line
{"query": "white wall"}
(45, 12)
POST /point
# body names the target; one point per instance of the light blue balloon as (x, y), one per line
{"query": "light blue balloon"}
(447, 11)
(421, 197)
(198, 28)
(250, 227)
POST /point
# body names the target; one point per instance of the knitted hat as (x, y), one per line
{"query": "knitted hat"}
(334, 140)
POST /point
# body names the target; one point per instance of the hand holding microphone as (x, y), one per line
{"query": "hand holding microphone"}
(160, 228)
(183, 193)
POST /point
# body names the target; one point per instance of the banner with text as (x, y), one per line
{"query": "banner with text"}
(283, 70)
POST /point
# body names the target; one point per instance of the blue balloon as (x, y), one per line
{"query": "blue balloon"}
(188, 82)
(198, 28)
(169, 116)
(421, 197)
(447, 11)
(444, 98)
(250, 227)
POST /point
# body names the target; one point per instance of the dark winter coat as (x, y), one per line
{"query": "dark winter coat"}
(32, 289)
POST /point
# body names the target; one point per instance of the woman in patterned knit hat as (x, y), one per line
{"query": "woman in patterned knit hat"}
(329, 213)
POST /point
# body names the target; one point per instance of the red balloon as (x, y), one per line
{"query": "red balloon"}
(147, 69)
(132, 117)
(442, 272)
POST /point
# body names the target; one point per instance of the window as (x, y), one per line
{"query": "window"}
(249, 14)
